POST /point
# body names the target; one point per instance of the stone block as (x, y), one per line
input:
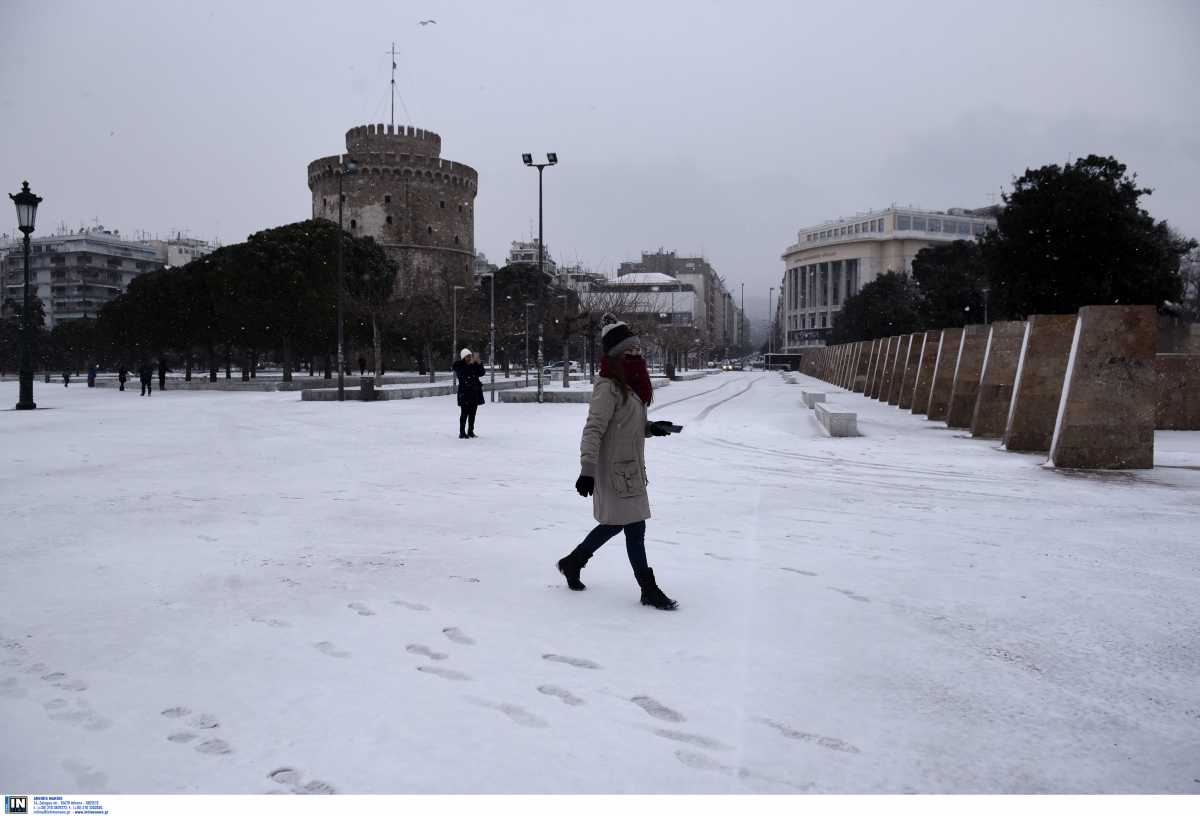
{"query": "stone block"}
(1177, 396)
(1106, 413)
(811, 398)
(923, 380)
(862, 370)
(885, 369)
(965, 390)
(905, 347)
(836, 423)
(1037, 388)
(996, 381)
(908, 378)
(943, 374)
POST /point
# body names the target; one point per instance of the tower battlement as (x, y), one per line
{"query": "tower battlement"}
(388, 139)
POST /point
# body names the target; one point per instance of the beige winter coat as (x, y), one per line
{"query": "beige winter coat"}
(613, 451)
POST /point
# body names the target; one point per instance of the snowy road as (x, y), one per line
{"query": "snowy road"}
(227, 593)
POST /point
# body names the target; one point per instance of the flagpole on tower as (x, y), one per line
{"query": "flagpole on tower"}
(393, 86)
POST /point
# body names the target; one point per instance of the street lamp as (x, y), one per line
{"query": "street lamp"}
(770, 324)
(986, 290)
(347, 167)
(454, 321)
(27, 204)
(566, 344)
(492, 334)
(551, 159)
(527, 305)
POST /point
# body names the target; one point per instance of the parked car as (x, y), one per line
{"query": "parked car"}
(556, 368)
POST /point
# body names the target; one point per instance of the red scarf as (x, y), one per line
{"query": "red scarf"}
(636, 375)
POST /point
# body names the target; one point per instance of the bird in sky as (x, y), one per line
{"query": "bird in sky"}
(427, 22)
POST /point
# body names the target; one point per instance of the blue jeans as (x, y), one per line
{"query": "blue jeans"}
(635, 542)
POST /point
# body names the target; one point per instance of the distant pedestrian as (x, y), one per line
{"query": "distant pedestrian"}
(613, 460)
(468, 370)
(122, 376)
(362, 366)
(92, 376)
(162, 374)
(146, 374)
(66, 378)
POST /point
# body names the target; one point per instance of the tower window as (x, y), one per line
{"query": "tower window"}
(353, 224)
(460, 207)
(442, 204)
(456, 239)
(389, 219)
(387, 199)
(429, 230)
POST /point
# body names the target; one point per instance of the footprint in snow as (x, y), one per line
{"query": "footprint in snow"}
(465, 578)
(577, 662)
(416, 607)
(562, 694)
(514, 712)
(425, 651)
(800, 571)
(701, 762)
(854, 596)
(274, 623)
(448, 674)
(691, 739)
(327, 648)
(181, 737)
(284, 776)
(832, 743)
(361, 609)
(204, 721)
(316, 788)
(175, 712)
(214, 746)
(656, 709)
(86, 777)
(455, 634)
(719, 557)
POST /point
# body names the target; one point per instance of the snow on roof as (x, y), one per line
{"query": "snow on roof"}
(646, 277)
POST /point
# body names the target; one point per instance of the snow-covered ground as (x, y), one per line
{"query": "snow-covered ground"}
(205, 589)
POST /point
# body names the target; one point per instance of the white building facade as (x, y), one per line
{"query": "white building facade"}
(833, 260)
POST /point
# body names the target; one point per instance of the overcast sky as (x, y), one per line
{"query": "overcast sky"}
(706, 127)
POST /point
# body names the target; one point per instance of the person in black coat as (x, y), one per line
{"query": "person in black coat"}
(122, 376)
(468, 370)
(146, 373)
(162, 374)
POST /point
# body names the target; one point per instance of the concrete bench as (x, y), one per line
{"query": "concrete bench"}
(836, 423)
(811, 398)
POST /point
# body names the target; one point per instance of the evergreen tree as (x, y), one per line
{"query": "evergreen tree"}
(1076, 236)
(887, 306)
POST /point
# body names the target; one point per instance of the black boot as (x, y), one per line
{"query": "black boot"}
(571, 566)
(651, 594)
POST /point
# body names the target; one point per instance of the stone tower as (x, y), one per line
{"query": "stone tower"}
(418, 206)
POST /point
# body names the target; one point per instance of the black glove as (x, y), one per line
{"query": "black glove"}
(662, 427)
(585, 485)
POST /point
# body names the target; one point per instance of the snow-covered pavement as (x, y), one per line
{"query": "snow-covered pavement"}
(243, 593)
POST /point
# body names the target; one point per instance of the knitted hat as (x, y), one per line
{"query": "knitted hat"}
(464, 354)
(616, 337)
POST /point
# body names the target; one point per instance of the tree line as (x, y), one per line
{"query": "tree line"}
(1067, 236)
(272, 300)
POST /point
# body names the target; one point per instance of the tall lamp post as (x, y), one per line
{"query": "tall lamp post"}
(551, 159)
(347, 167)
(986, 290)
(454, 321)
(566, 345)
(527, 305)
(770, 325)
(27, 204)
(492, 334)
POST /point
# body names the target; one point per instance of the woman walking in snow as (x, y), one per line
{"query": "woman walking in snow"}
(468, 370)
(613, 449)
